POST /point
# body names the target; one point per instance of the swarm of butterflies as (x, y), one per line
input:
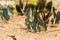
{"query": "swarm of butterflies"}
(37, 16)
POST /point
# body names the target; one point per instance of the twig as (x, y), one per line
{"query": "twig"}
(53, 30)
(13, 37)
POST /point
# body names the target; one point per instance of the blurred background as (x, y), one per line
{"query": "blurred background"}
(16, 29)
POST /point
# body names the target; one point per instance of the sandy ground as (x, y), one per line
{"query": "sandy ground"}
(16, 27)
